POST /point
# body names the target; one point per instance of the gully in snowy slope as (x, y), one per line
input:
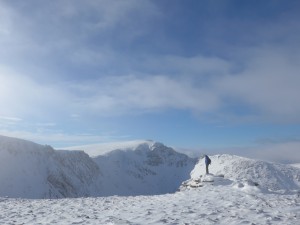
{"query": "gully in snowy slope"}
(207, 163)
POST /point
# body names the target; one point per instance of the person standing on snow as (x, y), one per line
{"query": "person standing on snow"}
(207, 163)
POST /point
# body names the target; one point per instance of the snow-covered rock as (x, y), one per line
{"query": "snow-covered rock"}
(73, 174)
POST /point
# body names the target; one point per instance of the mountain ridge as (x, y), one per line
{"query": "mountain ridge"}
(32, 170)
(269, 176)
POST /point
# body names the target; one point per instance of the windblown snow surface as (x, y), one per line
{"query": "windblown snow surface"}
(237, 190)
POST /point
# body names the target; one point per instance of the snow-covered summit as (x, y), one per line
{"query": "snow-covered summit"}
(148, 168)
(156, 153)
(31, 170)
(267, 175)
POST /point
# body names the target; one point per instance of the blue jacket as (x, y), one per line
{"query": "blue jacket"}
(207, 160)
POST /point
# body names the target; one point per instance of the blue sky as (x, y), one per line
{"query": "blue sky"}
(204, 75)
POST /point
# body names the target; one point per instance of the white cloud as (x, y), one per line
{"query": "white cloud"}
(22, 96)
(286, 152)
(65, 31)
(25, 97)
(197, 65)
(68, 34)
(127, 94)
(5, 21)
(46, 124)
(111, 13)
(269, 85)
(9, 118)
(59, 139)
(282, 152)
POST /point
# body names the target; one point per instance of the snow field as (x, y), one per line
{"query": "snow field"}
(206, 205)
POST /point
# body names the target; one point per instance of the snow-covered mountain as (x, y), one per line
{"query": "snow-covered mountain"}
(35, 171)
(237, 190)
(227, 200)
(145, 169)
(31, 170)
(242, 171)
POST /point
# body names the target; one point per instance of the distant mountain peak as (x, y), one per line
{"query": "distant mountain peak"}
(140, 167)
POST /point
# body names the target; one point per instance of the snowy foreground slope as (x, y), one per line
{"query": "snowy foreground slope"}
(210, 204)
(30, 170)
